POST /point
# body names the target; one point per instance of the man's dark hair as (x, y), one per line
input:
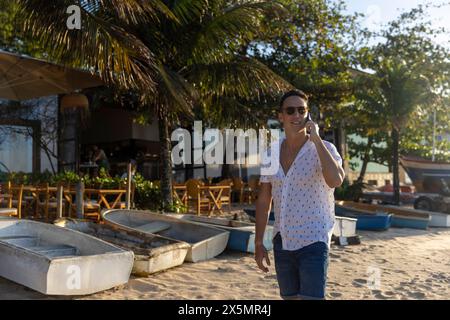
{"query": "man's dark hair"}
(296, 93)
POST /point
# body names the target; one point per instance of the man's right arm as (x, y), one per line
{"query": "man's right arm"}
(263, 205)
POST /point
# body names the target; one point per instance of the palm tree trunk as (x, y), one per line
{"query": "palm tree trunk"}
(366, 160)
(166, 162)
(395, 166)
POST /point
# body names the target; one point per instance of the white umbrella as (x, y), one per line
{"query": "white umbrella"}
(23, 78)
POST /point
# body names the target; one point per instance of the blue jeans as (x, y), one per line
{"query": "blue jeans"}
(301, 273)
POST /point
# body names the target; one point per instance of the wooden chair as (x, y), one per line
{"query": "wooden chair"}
(179, 192)
(198, 196)
(46, 201)
(91, 203)
(28, 201)
(5, 195)
(14, 206)
(225, 197)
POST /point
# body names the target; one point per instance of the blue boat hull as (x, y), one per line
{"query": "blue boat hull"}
(244, 240)
(373, 222)
(400, 222)
(241, 234)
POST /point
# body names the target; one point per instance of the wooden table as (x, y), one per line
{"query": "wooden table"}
(215, 193)
(118, 193)
(180, 194)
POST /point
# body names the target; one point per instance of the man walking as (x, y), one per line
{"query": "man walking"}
(303, 195)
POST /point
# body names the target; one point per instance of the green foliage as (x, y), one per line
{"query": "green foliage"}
(102, 181)
(313, 48)
(104, 34)
(349, 191)
(409, 79)
(66, 177)
(29, 178)
(148, 196)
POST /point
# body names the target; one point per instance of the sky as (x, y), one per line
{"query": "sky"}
(380, 12)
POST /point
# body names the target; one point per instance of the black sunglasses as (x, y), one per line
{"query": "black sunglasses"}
(291, 110)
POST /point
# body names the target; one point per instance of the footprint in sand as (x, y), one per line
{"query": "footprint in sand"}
(336, 294)
(226, 269)
(359, 283)
(333, 255)
(416, 295)
(379, 295)
(212, 287)
(381, 260)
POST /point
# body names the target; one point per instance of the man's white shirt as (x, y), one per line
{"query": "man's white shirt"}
(303, 202)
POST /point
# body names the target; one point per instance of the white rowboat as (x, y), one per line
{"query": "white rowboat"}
(59, 261)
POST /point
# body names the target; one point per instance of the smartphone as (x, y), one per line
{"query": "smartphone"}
(308, 118)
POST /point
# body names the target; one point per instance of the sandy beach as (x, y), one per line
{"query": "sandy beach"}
(393, 264)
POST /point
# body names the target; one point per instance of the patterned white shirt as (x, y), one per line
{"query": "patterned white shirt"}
(303, 202)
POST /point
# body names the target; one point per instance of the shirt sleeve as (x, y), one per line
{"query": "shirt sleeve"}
(334, 153)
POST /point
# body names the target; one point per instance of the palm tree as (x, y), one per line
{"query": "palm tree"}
(177, 54)
(394, 92)
(103, 45)
(200, 64)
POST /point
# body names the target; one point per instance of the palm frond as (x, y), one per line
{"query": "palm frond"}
(187, 10)
(175, 95)
(240, 22)
(242, 77)
(107, 47)
(229, 112)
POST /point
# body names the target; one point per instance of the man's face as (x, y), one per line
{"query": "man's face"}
(293, 114)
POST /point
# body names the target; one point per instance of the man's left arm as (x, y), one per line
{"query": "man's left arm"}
(332, 170)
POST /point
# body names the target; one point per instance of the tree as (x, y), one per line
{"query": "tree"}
(172, 53)
(102, 45)
(201, 64)
(313, 49)
(409, 70)
(417, 139)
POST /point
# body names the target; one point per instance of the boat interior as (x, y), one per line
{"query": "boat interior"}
(178, 229)
(50, 241)
(133, 241)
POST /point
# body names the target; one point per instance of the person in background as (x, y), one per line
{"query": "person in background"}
(100, 158)
(133, 171)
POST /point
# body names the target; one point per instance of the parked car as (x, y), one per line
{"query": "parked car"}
(438, 202)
